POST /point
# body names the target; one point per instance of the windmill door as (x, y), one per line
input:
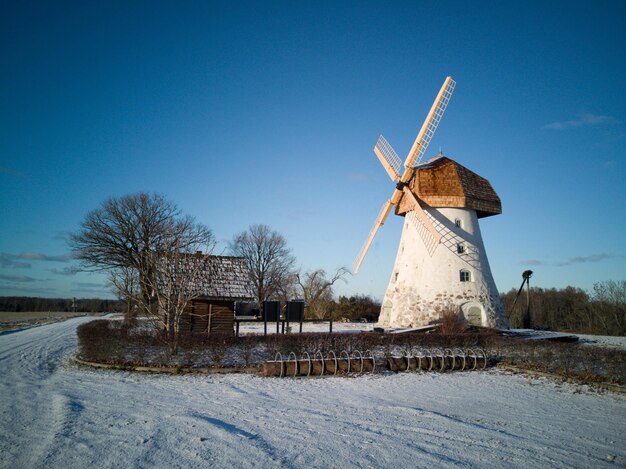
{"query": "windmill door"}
(475, 316)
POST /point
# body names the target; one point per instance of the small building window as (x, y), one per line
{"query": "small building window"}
(458, 223)
(465, 276)
(460, 248)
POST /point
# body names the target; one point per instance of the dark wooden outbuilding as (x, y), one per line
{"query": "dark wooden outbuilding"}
(224, 281)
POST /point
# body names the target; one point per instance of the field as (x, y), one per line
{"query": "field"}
(13, 320)
(56, 414)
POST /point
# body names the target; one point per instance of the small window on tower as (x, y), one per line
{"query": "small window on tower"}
(458, 223)
(460, 248)
(465, 276)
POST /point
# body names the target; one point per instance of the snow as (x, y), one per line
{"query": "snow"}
(603, 341)
(322, 326)
(56, 414)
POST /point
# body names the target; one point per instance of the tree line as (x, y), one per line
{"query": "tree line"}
(353, 308)
(83, 305)
(602, 311)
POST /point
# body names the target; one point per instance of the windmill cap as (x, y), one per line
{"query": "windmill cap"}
(442, 182)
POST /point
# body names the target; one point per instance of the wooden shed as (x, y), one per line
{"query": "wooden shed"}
(224, 281)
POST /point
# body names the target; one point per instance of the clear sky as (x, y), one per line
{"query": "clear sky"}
(267, 112)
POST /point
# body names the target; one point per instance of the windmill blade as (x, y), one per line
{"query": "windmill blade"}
(388, 158)
(422, 222)
(451, 241)
(380, 220)
(429, 242)
(447, 238)
(430, 125)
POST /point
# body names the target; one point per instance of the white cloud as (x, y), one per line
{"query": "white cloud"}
(357, 176)
(15, 260)
(10, 172)
(37, 256)
(582, 120)
(586, 259)
(11, 290)
(89, 285)
(67, 271)
(18, 278)
(531, 262)
(9, 260)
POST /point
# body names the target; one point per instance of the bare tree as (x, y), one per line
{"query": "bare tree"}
(357, 307)
(268, 259)
(610, 306)
(317, 289)
(573, 309)
(173, 278)
(287, 289)
(124, 281)
(124, 233)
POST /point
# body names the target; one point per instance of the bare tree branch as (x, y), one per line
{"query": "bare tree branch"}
(135, 238)
(173, 279)
(268, 259)
(316, 289)
(124, 230)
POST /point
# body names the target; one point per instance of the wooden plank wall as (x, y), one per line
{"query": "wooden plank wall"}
(202, 315)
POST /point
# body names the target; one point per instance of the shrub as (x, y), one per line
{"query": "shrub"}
(113, 342)
(452, 321)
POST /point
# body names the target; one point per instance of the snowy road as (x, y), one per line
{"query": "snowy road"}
(55, 414)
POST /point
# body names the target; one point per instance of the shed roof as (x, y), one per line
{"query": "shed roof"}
(219, 278)
(442, 182)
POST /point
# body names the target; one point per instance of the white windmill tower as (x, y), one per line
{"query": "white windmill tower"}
(441, 260)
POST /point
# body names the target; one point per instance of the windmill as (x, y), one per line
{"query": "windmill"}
(441, 260)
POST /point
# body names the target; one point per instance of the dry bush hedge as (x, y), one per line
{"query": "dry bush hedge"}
(569, 360)
(118, 343)
(114, 342)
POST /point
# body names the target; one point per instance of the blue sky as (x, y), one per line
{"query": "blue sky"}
(267, 112)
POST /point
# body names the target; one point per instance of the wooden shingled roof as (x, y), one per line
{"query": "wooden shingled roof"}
(442, 182)
(220, 277)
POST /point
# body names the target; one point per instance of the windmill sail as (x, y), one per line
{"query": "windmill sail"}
(451, 241)
(380, 220)
(427, 237)
(429, 233)
(388, 158)
(430, 124)
(393, 166)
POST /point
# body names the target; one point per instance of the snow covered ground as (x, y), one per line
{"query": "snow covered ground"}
(603, 341)
(55, 414)
(258, 327)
